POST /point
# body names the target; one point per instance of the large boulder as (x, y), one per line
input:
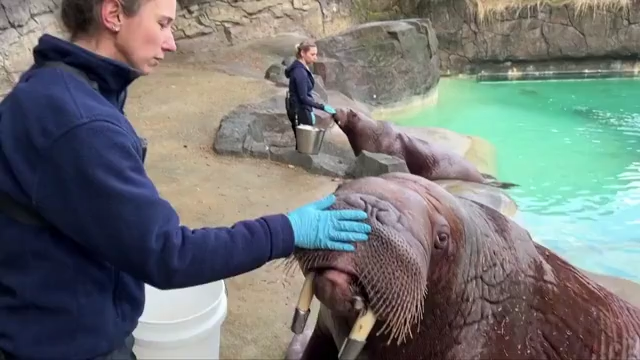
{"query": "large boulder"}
(375, 164)
(381, 63)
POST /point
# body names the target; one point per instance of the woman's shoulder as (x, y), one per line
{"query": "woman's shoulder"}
(47, 103)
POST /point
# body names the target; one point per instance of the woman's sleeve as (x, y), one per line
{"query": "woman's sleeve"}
(93, 187)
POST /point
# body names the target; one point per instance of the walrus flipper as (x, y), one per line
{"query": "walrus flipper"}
(501, 184)
(492, 181)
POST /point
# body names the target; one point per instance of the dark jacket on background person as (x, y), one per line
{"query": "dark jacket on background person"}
(75, 289)
(301, 84)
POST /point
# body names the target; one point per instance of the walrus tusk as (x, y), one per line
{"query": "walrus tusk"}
(353, 345)
(301, 313)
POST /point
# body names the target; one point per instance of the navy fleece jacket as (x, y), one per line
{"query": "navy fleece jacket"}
(76, 291)
(301, 84)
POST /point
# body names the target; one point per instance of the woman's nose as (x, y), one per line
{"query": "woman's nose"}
(169, 45)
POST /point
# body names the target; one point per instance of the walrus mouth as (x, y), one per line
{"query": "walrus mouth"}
(364, 323)
(390, 271)
(354, 297)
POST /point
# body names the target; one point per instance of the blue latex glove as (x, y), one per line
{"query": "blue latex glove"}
(315, 227)
(313, 118)
(329, 109)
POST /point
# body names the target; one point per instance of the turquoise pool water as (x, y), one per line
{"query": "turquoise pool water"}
(574, 148)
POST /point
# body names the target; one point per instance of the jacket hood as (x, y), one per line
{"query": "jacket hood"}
(294, 65)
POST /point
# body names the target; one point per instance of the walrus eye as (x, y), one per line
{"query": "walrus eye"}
(441, 240)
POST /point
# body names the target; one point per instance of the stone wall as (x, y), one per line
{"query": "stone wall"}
(21, 24)
(532, 35)
(233, 21)
(223, 22)
(546, 37)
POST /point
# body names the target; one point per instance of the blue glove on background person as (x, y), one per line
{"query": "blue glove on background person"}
(314, 227)
(313, 118)
(329, 109)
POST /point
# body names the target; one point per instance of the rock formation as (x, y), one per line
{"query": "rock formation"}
(21, 24)
(558, 36)
(375, 164)
(381, 63)
(218, 23)
(262, 130)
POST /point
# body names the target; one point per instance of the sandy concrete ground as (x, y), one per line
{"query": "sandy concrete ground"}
(178, 110)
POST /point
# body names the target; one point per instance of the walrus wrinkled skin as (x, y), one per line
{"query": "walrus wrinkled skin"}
(450, 278)
(424, 159)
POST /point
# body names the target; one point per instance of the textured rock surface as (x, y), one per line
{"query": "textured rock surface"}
(533, 34)
(21, 24)
(262, 130)
(381, 63)
(544, 34)
(223, 22)
(232, 21)
(375, 164)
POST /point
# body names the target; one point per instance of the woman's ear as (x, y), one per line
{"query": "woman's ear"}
(111, 14)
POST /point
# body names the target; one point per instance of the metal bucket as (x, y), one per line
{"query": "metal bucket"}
(309, 139)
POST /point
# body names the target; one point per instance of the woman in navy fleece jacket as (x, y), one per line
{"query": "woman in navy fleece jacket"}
(72, 280)
(300, 102)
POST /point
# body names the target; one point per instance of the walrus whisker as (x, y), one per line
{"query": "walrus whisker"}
(288, 265)
(397, 317)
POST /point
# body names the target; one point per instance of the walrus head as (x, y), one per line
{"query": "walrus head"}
(417, 226)
(346, 117)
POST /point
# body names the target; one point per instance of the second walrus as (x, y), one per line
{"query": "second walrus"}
(423, 159)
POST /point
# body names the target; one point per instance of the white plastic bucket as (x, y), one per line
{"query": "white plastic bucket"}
(182, 323)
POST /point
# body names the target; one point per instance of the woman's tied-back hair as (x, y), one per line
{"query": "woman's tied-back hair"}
(82, 17)
(303, 47)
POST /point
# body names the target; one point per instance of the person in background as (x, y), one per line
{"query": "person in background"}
(299, 101)
(82, 227)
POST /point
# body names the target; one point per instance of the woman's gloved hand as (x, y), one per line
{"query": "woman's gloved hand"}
(315, 227)
(313, 118)
(329, 109)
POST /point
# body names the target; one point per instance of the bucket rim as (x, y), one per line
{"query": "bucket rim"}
(223, 293)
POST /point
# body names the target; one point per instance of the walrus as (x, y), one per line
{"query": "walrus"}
(427, 160)
(445, 277)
